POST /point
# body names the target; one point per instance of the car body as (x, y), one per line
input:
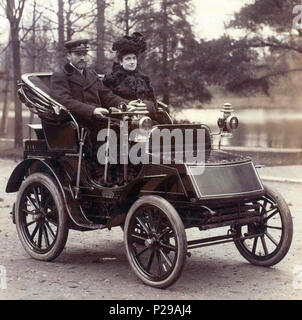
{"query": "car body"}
(154, 203)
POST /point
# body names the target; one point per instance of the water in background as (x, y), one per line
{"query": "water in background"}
(274, 128)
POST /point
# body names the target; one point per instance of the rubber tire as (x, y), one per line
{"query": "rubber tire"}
(176, 222)
(50, 183)
(287, 224)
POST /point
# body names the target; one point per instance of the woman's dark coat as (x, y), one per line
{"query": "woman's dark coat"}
(130, 85)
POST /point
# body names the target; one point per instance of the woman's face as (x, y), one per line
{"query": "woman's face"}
(129, 62)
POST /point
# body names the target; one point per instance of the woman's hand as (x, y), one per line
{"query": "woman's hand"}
(132, 105)
(136, 103)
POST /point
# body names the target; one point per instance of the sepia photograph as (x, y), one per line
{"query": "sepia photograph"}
(150, 150)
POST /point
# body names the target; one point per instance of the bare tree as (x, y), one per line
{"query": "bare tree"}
(34, 51)
(165, 69)
(14, 11)
(127, 17)
(30, 45)
(6, 76)
(61, 37)
(77, 20)
(134, 13)
(100, 35)
(36, 47)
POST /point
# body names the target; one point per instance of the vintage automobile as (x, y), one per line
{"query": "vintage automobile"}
(61, 186)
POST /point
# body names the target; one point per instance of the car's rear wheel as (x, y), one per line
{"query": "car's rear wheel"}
(273, 235)
(155, 241)
(41, 219)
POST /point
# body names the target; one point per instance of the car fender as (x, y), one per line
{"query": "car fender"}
(17, 176)
(77, 220)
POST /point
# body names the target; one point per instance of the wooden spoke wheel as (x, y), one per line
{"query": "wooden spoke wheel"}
(273, 235)
(155, 241)
(41, 219)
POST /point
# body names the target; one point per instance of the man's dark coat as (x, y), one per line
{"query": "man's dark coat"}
(81, 94)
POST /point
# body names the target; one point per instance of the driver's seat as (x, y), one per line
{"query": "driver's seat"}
(59, 131)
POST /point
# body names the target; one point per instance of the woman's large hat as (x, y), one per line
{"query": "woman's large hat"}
(130, 44)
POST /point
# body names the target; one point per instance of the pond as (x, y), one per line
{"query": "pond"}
(273, 128)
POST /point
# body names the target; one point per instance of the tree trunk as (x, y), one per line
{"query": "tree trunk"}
(34, 56)
(16, 78)
(127, 17)
(14, 16)
(166, 94)
(69, 31)
(100, 27)
(7, 78)
(4, 120)
(61, 50)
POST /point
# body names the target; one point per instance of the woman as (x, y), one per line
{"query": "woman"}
(126, 79)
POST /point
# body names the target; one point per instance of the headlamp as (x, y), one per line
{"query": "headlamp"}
(228, 123)
(145, 123)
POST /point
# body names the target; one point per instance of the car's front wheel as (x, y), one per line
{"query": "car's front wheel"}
(155, 241)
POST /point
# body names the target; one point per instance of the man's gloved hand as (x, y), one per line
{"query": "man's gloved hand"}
(100, 112)
(113, 109)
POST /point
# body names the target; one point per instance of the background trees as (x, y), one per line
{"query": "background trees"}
(170, 39)
(183, 68)
(14, 11)
(268, 25)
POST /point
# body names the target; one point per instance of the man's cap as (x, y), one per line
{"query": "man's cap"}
(80, 45)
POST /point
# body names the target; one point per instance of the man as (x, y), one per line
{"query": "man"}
(79, 89)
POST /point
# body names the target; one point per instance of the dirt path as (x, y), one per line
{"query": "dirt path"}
(94, 266)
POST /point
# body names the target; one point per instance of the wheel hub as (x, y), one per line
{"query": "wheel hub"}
(39, 217)
(150, 243)
(256, 228)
